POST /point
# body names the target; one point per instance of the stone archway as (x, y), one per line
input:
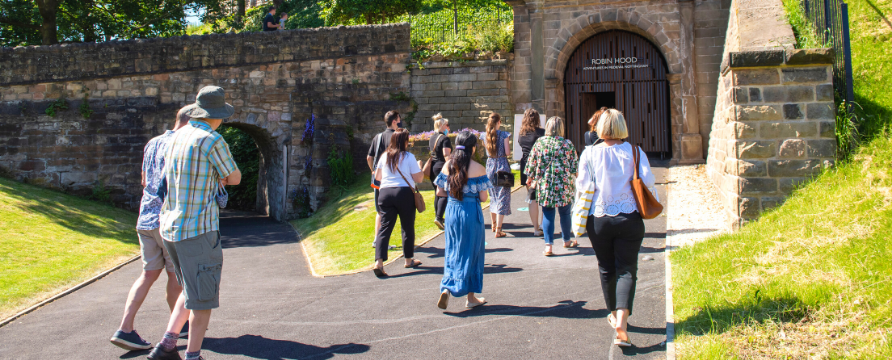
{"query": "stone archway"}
(272, 177)
(686, 142)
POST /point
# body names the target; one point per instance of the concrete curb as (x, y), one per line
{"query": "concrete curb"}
(670, 310)
(66, 292)
(367, 268)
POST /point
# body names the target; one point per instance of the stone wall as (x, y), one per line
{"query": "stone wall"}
(690, 35)
(774, 117)
(276, 81)
(466, 93)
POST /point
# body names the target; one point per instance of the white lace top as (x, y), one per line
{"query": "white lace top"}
(610, 168)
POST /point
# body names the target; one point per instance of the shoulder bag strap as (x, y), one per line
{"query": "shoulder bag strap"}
(637, 158)
(404, 177)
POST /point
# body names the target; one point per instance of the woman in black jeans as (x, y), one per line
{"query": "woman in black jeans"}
(614, 225)
(440, 147)
(530, 131)
(395, 170)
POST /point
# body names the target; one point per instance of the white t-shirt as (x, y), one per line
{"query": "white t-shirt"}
(408, 165)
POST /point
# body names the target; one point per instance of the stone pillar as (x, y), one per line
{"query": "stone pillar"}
(691, 141)
(537, 60)
(774, 128)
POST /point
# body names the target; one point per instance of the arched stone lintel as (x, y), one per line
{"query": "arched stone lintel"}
(559, 52)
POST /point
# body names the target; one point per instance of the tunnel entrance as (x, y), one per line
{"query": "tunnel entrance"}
(261, 162)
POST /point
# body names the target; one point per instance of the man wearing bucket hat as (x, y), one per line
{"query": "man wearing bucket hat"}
(198, 162)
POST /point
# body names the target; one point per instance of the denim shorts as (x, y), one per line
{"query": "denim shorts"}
(198, 263)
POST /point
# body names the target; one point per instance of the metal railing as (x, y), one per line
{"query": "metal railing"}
(831, 21)
(452, 27)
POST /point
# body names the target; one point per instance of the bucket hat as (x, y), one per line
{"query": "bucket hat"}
(209, 104)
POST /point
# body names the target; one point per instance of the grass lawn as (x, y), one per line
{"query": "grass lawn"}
(50, 241)
(338, 240)
(811, 279)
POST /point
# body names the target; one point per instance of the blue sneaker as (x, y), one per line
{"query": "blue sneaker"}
(184, 333)
(130, 341)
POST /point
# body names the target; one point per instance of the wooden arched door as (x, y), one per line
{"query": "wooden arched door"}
(622, 70)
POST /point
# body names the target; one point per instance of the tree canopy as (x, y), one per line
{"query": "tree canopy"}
(34, 22)
(337, 12)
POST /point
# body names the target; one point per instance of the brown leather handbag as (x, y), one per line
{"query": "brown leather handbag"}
(647, 204)
(419, 199)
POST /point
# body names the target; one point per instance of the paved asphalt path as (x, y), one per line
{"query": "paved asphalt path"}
(273, 308)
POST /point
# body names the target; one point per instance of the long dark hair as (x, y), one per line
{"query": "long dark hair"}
(461, 161)
(492, 134)
(397, 148)
(530, 122)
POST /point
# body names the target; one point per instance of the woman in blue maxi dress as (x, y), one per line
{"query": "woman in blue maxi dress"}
(465, 232)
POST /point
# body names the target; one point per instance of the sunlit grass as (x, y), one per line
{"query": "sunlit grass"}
(339, 240)
(811, 279)
(50, 241)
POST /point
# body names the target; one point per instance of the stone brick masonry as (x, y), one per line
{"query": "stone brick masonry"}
(466, 93)
(774, 119)
(275, 81)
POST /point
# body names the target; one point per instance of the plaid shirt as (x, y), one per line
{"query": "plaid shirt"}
(197, 158)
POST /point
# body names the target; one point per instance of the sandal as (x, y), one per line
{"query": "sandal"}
(379, 272)
(443, 301)
(538, 232)
(547, 253)
(623, 343)
(573, 244)
(612, 320)
(470, 305)
(414, 264)
(500, 234)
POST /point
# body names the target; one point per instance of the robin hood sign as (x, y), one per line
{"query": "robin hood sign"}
(614, 63)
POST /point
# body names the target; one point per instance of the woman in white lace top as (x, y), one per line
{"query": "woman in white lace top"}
(614, 225)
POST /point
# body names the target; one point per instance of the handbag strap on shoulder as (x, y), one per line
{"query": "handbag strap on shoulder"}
(397, 167)
(636, 156)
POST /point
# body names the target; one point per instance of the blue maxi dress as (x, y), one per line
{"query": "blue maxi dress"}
(463, 269)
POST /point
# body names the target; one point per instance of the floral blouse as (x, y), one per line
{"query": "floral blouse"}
(552, 163)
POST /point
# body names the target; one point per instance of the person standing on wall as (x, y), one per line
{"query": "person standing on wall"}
(282, 20)
(397, 199)
(530, 131)
(465, 182)
(197, 164)
(614, 225)
(379, 146)
(552, 166)
(441, 148)
(591, 136)
(154, 256)
(270, 23)
(498, 149)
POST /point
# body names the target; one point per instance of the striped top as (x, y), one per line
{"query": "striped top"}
(197, 158)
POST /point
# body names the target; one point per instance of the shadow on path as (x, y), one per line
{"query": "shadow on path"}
(259, 347)
(566, 309)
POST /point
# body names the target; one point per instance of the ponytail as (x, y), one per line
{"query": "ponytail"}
(460, 162)
(492, 135)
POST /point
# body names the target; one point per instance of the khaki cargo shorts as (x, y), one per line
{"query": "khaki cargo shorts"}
(154, 255)
(198, 263)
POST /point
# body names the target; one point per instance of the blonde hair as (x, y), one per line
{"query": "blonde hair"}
(612, 125)
(439, 121)
(554, 126)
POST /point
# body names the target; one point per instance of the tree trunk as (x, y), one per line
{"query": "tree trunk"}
(48, 10)
(240, 15)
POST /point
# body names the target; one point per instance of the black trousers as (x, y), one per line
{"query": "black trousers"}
(616, 241)
(393, 202)
(439, 201)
